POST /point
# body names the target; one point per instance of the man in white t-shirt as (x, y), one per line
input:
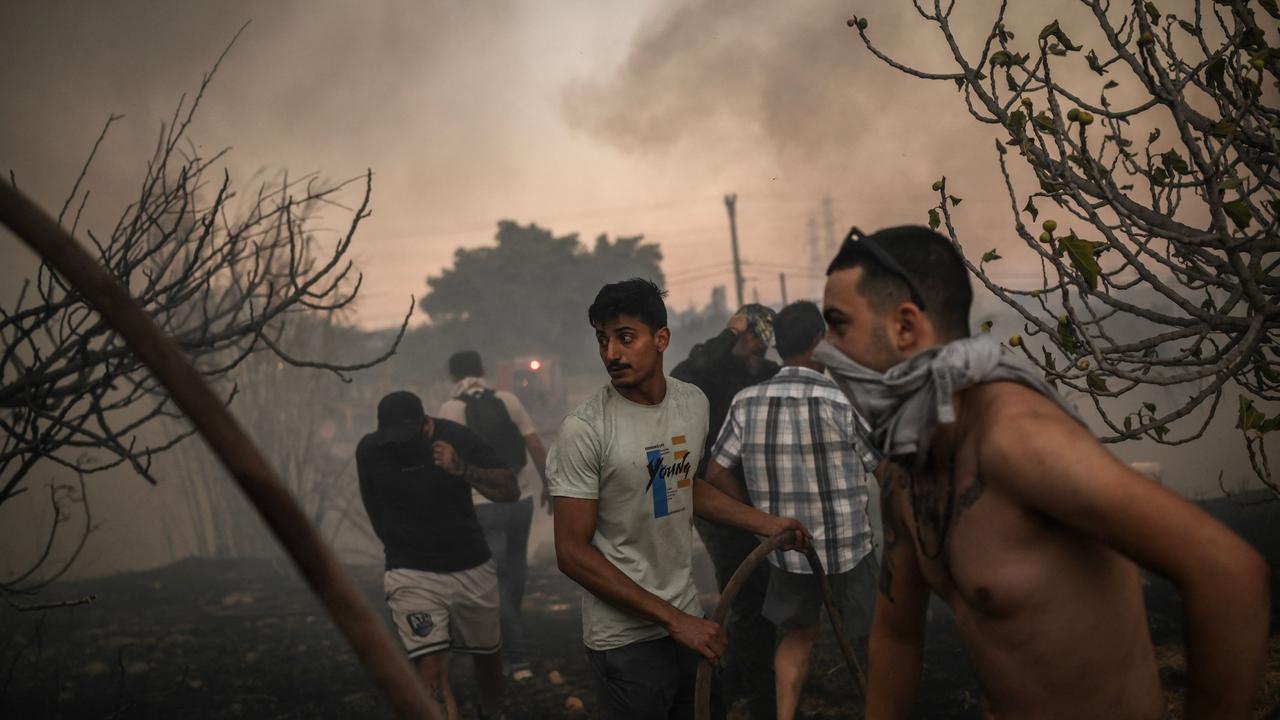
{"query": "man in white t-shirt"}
(502, 422)
(622, 476)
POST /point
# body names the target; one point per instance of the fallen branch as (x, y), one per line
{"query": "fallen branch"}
(51, 606)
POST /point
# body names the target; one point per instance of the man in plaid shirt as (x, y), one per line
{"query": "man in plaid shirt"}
(803, 452)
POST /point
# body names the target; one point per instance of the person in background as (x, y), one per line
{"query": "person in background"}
(801, 449)
(622, 475)
(416, 476)
(500, 420)
(1001, 501)
(720, 367)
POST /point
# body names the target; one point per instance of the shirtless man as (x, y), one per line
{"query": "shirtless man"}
(1025, 525)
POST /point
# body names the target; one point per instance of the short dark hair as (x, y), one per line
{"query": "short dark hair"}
(929, 259)
(798, 328)
(637, 296)
(466, 364)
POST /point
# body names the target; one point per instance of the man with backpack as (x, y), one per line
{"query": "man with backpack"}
(501, 421)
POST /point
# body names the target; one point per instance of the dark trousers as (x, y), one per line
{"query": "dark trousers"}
(506, 530)
(650, 680)
(748, 662)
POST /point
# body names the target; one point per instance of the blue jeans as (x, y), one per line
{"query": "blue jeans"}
(506, 530)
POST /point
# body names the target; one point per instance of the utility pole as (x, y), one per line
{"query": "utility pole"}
(730, 204)
(829, 223)
(815, 251)
(782, 280)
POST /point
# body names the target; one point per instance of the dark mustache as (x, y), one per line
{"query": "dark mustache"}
(617, 366)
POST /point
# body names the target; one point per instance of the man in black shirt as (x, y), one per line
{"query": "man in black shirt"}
(416, 476)
(721, 367)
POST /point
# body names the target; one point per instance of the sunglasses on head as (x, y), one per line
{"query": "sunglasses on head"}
(886, 261)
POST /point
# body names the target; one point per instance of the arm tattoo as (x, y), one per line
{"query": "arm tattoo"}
(489, 482)
(894, 482)
(972, 493)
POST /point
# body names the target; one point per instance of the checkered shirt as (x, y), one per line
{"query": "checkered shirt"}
(805, 453)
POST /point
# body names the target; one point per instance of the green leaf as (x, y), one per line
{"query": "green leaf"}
(1214, 73)
(1249, 417)
(1230, 183)
(1080, 253)
(1149, 407)
(1031, 210)
(1154, 136)
(1110, 84)
(1191, 29)
(1126, 187)
(1045, 123)
(1253, 38)
(1096, 382)
(1152, 12)
(1128, 423)
(1224, 128)
(954, 200)
(1016, 122)
(1266, 372)
(1053, 30)
(1000, 148)
(1067, 335)
(1238, 212)
(934, 220)
(1271, 7)
(990, 256)
(1174, 163)
(1001, 58)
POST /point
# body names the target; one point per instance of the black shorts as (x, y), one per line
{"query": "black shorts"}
(796, 598)
(650, 680)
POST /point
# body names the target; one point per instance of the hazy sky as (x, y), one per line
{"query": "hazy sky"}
(586, 116)
(581, 115)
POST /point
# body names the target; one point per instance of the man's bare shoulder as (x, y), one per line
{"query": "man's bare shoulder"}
(1006, 405)
(1011, 425)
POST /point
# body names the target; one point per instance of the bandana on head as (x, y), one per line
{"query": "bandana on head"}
(907, 403)
(759, 321)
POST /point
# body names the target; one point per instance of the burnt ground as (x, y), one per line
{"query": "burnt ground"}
(244, 639)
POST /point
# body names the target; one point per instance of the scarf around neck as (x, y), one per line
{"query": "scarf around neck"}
(905, 405)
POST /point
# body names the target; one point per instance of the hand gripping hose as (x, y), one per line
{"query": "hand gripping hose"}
(702, 699)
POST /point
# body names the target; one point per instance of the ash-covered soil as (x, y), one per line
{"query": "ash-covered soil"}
(245, 639)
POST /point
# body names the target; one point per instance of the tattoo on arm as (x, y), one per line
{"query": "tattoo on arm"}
(894, 483)
(493, 483)
(971, 493)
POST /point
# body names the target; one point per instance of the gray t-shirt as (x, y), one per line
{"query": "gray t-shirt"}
(638, 462)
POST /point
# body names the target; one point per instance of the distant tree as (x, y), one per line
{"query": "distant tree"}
(529, 293)
(1160, 269)
(223, 281)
